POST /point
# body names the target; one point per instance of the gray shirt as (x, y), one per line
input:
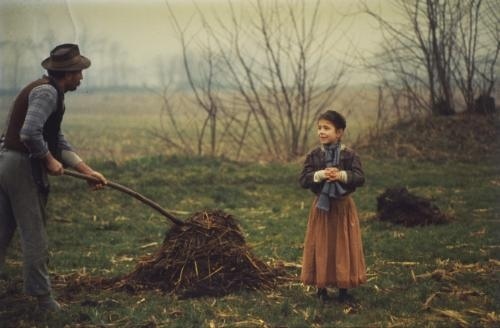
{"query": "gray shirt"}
(42, 103)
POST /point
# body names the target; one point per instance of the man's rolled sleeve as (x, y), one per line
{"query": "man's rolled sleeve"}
(70, 158)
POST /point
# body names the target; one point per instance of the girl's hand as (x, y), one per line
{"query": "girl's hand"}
(332, 174)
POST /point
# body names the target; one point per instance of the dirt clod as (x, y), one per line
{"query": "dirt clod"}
(399, 206)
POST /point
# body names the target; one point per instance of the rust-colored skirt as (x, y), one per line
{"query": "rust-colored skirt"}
(333, 250)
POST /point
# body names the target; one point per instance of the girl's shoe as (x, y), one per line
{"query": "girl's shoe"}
(322, 294)
(345, 297)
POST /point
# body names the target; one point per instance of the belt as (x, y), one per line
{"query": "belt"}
(18, 149)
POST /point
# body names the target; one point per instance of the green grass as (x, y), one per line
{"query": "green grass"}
(104, 234)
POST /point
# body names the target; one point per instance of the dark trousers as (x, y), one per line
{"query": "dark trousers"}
(22, 206)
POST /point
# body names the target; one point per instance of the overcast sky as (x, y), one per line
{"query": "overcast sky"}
(140, 31)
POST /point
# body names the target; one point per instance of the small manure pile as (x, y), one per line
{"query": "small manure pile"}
(206, 256)
(399, 206)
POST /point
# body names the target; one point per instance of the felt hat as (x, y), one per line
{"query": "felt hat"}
(66, 57)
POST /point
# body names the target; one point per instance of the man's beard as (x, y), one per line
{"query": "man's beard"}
(73, 87)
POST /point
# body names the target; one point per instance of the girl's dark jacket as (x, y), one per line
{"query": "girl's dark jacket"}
(349, 162)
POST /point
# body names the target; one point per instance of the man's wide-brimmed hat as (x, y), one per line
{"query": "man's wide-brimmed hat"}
(66, 57)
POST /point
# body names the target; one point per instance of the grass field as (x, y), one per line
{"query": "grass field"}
(435, 276)
(431, 276)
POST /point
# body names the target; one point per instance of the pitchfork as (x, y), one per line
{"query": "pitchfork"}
(130, 192)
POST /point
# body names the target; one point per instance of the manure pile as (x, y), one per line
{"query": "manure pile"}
(399, 206)
(206, 256)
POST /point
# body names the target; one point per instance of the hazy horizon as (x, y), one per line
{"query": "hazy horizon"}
(139, 34)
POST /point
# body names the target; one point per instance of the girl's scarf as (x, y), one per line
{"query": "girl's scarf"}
(330, 189)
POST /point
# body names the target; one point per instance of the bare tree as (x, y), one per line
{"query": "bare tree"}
(477, 50)
(265, 75)
(170, 131)
(417, 51)
(486, 64)
(467, 43)
(434, 50)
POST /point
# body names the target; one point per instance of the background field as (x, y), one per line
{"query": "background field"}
(118, 126)
(108, 126)
(431, 276)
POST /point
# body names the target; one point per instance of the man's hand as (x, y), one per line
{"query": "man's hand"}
(53, 166)
(85, 169)
(97, 185)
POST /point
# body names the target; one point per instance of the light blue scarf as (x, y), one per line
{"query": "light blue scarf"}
(330, 189)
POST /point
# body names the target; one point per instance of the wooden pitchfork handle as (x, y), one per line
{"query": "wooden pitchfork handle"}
(128, 191)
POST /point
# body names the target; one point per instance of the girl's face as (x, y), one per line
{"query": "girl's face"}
(328, 133)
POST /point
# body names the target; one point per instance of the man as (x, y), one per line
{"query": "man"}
(32, 146)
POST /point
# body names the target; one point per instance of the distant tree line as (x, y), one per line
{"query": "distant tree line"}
(111, 68)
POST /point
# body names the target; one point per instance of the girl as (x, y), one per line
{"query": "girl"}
(333, 251)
